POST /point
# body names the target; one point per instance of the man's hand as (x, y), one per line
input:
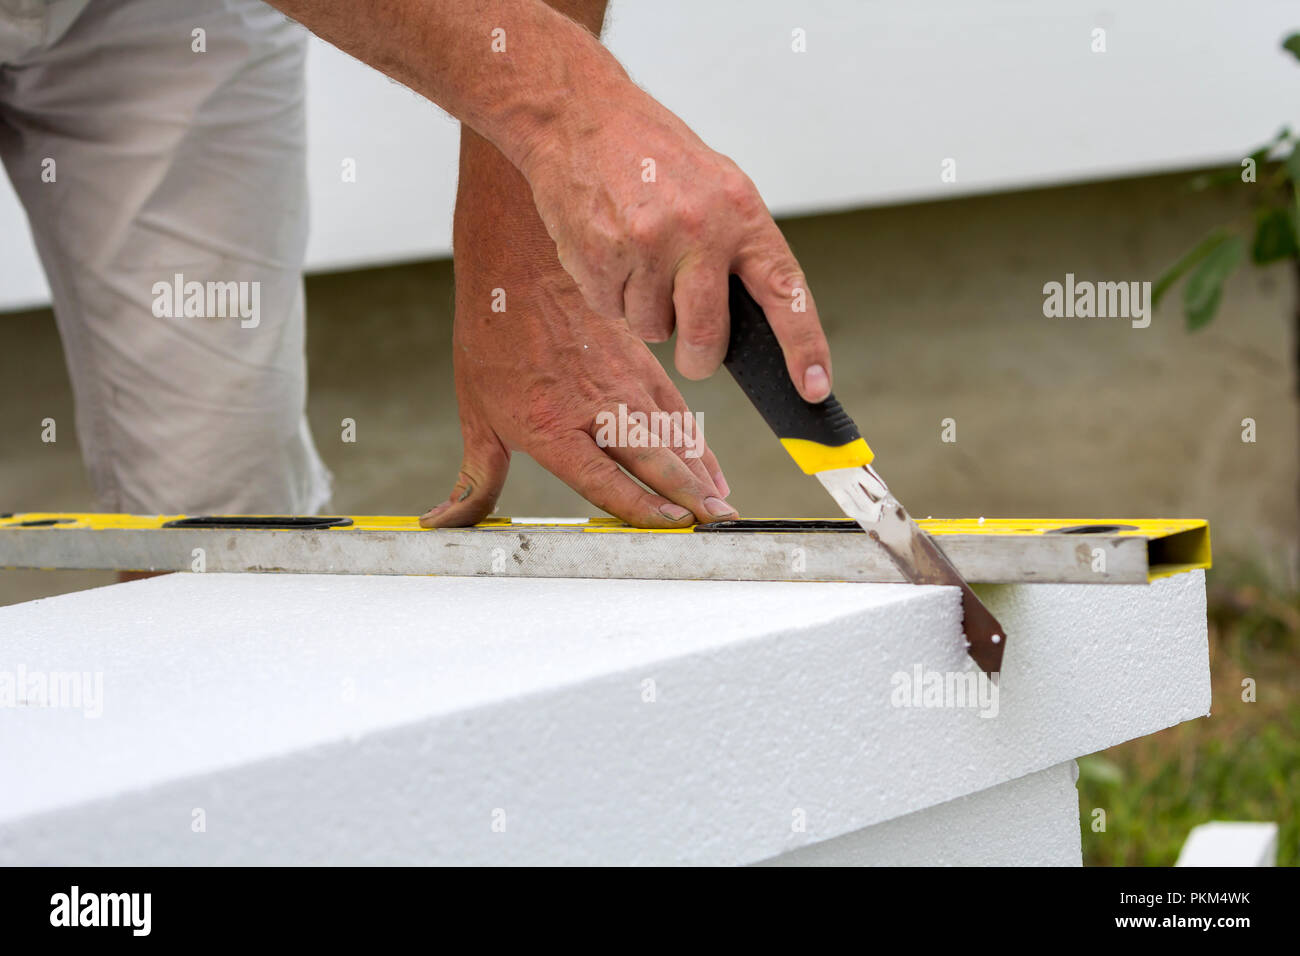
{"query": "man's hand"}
(543, 90)
(650, 222)
(536, 375)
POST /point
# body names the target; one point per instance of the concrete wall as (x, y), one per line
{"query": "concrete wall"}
(933, 311)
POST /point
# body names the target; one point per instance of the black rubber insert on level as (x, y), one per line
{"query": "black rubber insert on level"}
(1093, 529)
(845, 524)
(781, 524)
(42, 522)
(261, 522)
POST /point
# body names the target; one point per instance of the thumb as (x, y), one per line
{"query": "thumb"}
(482, 476)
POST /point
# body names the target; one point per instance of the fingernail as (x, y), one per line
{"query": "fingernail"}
(816, 383)
(718, 508)
(673, 512)
(721, 482)
(436, 510)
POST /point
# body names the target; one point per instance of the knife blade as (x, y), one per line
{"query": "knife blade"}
(824, 441)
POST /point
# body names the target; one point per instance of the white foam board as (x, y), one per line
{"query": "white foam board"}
(1230, 844)
(1030, 821)
(385, 719)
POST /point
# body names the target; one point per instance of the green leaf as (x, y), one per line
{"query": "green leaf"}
(1293, 173)
(1232, 174)
(1275, 237)
(1204, 287)
(1292, 43)
(1176, 271)
(1099, 770)
(1220, 177)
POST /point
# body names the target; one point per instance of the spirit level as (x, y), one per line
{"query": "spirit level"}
(997, 550)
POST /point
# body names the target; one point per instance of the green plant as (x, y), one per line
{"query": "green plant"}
(1240, 763)
(1273, 171)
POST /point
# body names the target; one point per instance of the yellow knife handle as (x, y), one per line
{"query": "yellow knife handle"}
(818, 436)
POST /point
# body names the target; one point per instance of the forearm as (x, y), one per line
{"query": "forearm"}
(496, 219)
(647, 221)
(495, 213)
(446, 50)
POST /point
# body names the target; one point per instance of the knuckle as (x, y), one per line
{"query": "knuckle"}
(801, 335)
(539, 416)
(644, 229)
(705, 336)
(739, 191)
(602, 235)
(466, 484)
(691, 221)
(654, 323)
(804, 340)
(782, 273)
(652, 331)
(599, 254)
(593, 474)
(785, 279)
(702, 297)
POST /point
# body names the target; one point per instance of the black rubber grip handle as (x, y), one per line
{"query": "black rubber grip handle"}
(756, 362)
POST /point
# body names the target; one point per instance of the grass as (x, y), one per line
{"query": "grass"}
(1240, 763)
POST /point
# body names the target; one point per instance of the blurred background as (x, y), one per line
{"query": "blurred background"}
(933, 166)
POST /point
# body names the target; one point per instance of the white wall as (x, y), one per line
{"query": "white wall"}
(884, 93)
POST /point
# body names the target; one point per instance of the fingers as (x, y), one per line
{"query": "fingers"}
(711, 467)
(695, 451)
(774, 279)
(661, 448)
(580, 463)
(648, 305)
(483, 472)
(602, 282)
(662, 470)
(703, 320)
